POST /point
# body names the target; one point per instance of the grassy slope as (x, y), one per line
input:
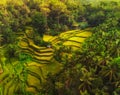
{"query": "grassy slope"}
(43, 62)
(71, 38)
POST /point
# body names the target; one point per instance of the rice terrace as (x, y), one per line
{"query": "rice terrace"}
(59, 47)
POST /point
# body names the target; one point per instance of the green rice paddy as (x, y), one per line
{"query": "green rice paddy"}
(42, 61)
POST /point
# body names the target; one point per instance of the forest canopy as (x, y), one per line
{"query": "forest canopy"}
(30, 65)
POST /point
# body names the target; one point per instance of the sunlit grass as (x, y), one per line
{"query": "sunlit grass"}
(70, 43)
(84, 34)
(71, 38)
(46, 38)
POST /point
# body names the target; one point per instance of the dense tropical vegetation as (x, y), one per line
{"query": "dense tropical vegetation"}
(59, 47)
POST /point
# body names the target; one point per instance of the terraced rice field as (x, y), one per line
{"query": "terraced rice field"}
(41, 64)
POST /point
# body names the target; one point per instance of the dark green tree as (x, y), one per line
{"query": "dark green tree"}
(39, 23)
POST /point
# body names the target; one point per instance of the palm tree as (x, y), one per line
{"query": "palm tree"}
(112, 70)
(86, 80)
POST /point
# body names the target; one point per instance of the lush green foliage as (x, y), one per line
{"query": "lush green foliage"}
(93, 69)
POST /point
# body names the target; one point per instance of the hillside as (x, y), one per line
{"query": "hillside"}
(42, 61)
(59, 47)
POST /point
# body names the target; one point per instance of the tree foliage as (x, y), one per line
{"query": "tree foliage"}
(92, 70)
